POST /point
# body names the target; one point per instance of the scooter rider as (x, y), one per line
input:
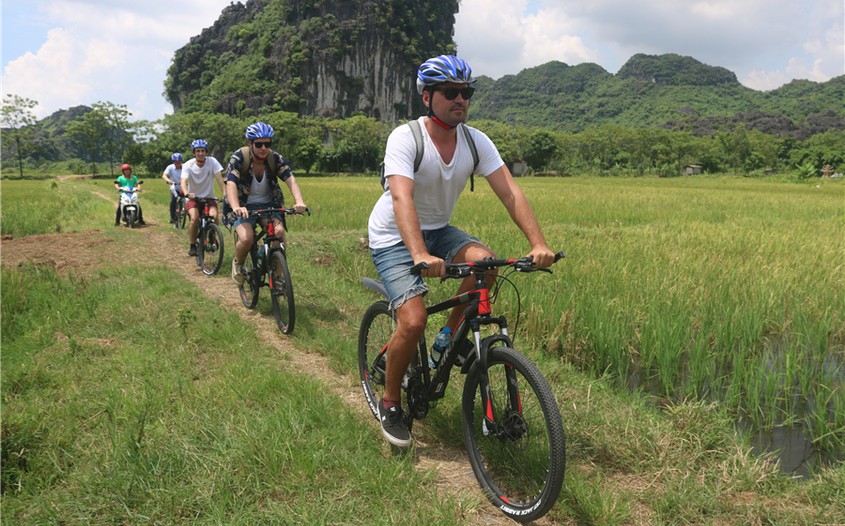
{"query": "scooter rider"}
(130, 180)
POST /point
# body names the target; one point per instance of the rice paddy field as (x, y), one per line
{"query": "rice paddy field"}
(688, 312)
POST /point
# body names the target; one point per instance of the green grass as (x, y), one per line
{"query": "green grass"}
(717, 297)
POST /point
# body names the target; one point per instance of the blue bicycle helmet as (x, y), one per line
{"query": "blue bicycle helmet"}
(176, 157)
(445, 68)
(259, 130)
(199, 143)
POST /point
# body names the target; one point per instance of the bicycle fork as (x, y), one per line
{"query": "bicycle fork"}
(493, 422)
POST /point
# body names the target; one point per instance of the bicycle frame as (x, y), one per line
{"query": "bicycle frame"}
(205, 212)
(478, 313)
(269, 234)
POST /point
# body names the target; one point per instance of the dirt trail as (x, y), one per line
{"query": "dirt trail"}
(157, 244)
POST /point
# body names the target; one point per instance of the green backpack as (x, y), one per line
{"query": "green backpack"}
(418, 140)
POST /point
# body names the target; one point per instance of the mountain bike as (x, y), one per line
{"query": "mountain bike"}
(511, 423)
(209, 240)
(266, 265)
(181, 211)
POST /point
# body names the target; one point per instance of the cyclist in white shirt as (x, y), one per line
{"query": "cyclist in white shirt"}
(198, 176)
(172, 175)
(410, 222)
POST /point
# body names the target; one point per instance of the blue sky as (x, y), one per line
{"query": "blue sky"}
(63, 53)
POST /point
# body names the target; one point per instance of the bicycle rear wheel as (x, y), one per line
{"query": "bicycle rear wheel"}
(281, 292)
(519, 457)
(252, 282)
(210, 249)
(376, 330)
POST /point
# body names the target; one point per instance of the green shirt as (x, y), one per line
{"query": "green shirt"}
(127, 181)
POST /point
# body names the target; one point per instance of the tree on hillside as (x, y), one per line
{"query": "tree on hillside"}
(115, 134)
(86, 133)
(17, 122)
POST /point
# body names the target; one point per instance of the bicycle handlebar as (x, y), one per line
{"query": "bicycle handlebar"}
(268, 212)
(462, 270)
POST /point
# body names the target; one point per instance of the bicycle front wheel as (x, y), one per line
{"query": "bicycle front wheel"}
(252, 282)
(181, 214)
(210, 249)
(517, 453)
(375, 332)
(281, 292)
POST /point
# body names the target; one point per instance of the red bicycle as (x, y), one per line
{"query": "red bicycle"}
(512, 426)
(266, 265)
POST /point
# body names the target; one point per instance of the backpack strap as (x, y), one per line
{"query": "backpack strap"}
(247, 156)
(418, 140)
(474, 152)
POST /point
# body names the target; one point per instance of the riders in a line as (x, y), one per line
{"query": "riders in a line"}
(131, 180)
(410, 222)
(198, 176)
(252, 183)
(172, 175)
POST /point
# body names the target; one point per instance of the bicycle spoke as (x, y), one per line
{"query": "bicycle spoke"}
(518, 456)
(375, 331)
(249, 289)
(212, 249)
(281, 292)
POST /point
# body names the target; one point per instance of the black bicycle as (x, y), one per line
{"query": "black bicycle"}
(512, 426)
(209, 240)
(181, 211)
(266, 265)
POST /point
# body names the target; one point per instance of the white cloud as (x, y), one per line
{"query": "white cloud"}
(107, 51)
(490, 35)
(117, 51)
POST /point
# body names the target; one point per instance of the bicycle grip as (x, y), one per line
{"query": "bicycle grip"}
(419, 267)
(560, 255)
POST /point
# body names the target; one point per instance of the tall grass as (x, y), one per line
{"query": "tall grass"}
(114, 414)
(123, 404)
(718, 289)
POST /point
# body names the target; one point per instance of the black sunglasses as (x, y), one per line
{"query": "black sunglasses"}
(262, 144)
(452, 93)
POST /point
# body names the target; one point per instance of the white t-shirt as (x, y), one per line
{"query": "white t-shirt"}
(201, 178)
(259, 191)
(175, 174)
(437, 185)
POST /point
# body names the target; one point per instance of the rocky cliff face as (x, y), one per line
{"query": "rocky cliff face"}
(327, 59)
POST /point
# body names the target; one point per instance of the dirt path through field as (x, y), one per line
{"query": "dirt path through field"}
(157, 244)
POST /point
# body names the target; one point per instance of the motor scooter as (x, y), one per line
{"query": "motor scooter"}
(130, 209)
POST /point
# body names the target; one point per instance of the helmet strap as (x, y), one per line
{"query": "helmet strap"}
(440, 123)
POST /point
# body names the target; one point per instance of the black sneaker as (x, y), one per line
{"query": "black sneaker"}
(193, 250)
(393, 425)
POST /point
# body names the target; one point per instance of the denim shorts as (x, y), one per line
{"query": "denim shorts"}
(252, 220)
(393, 263)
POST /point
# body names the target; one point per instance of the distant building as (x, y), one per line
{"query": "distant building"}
(519, 168)
(692, 169)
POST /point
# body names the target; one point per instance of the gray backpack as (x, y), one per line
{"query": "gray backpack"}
(418, 140)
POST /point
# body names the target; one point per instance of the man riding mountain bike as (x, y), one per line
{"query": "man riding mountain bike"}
(198, 176)
(410, 222)
(252, 183)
